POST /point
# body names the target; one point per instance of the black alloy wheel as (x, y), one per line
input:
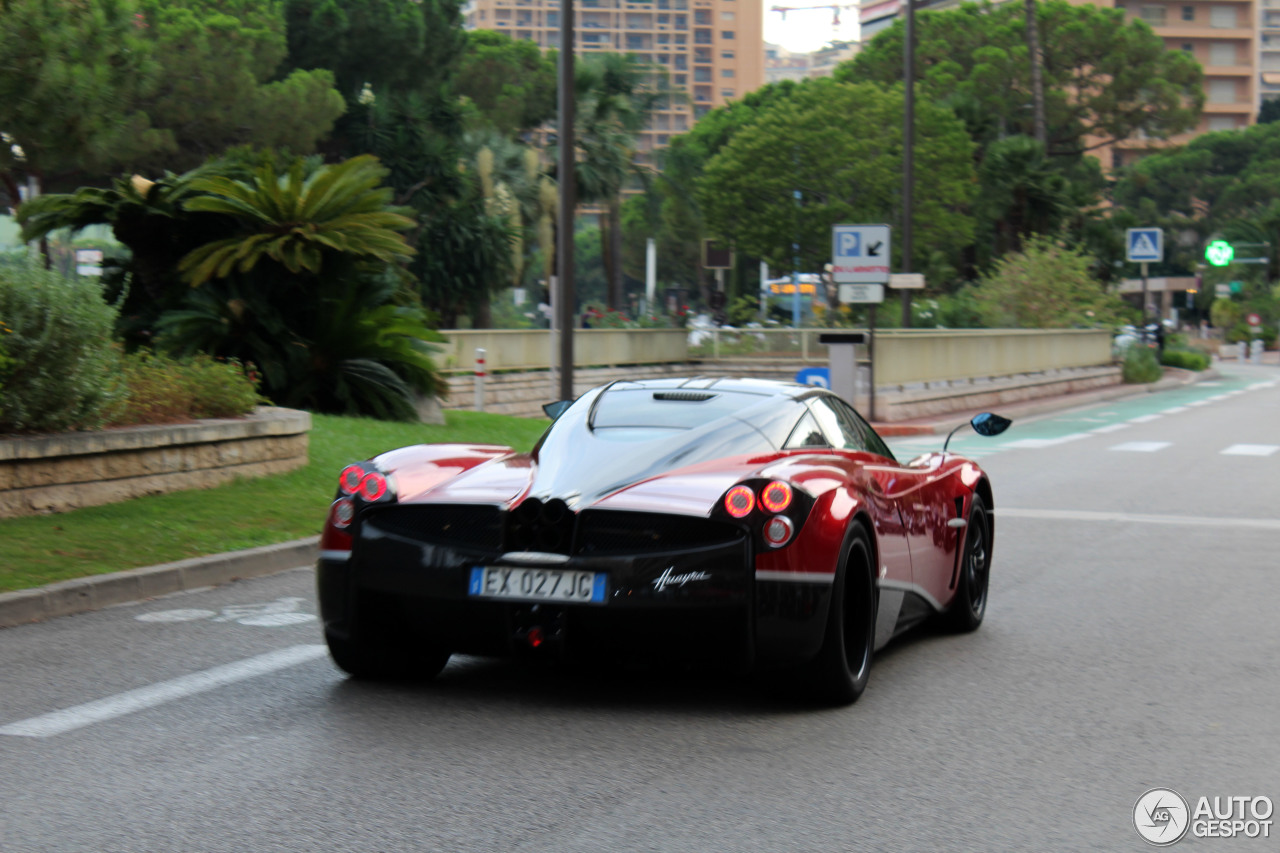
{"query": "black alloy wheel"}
(970, 604)
(843, 666)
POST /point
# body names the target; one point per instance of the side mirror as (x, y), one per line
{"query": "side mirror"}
(989, 424)
(556, 409)
(986, 423)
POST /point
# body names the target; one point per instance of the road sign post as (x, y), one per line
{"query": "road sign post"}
(860, 259)
(1144, 246)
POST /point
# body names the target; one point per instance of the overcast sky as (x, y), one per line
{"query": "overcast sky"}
(807, 30)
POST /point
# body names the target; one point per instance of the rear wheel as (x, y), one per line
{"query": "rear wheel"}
(970, 604)
(844, 663)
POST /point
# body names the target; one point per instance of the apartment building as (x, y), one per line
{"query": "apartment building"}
(1269, 50)
(1223, 37)
(712, 49)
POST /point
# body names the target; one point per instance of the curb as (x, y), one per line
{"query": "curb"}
(98, 591)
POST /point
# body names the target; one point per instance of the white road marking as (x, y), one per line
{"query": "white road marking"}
(1032, 443)
(1198, 403)
(1259, 385)
(1217, 397)
(131, 701)
(1142, 446)
(1144, 419)
(270, 614)
(1111, 428)
(1139, 518)
(1250, 450)
(1174, 410)
(184, 615)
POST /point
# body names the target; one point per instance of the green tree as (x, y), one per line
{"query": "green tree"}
(839, 146)
(1106, 79)
(509, 83)
(216, 88)
(1046, 286)
(71, 79)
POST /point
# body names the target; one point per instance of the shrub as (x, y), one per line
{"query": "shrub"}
(1186, 359)
(61, 367)
(164, 390)
(1140, 366)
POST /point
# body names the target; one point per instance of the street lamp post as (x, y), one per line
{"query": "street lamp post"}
(908, 149)
(564, 300)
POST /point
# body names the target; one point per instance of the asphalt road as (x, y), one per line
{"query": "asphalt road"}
(1130, 643)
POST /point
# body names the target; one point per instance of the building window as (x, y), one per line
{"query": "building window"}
(1189, 47)
(726, 93)
(699, 111)
(1153, 15)
(1222, 17)
(681, 38)
(663, 38)
(701, 54)
(726, 54)
(727, 16)
(726, 35)
(1222, 123)
(1222, 91)
(726, 72)
(702, 17)
(1222, 53)
(682, 61)
(682, 79)
(702, 75)
(1188, 13)
(682, 22)
(702, 36)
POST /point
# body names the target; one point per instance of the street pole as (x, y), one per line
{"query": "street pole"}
(795, 269)
(908, 150)
(871, 364)
(564, 302)
(1144, 301)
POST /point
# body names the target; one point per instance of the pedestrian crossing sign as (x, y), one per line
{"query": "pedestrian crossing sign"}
(1144, 244)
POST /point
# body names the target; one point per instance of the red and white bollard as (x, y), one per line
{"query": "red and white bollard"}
(480, 374)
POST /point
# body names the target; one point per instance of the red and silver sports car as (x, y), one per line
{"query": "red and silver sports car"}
(755, 523)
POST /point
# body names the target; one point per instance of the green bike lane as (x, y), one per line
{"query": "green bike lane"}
(1099, 419)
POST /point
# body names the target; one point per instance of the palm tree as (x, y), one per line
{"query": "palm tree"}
(297, 219)
(615, 94)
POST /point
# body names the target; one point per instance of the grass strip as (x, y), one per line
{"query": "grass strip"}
(244, 513)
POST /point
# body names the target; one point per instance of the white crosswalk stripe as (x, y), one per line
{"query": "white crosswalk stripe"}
(1143, 446)
(1250, 450)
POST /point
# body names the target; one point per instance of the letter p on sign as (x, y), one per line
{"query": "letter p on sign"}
(850, 243)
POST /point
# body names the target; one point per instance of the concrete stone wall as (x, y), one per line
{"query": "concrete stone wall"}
(46, 474)
(522, 394)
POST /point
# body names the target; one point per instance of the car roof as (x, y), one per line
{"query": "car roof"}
(732, 384)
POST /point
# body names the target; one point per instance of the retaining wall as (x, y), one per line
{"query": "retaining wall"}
(46, 474)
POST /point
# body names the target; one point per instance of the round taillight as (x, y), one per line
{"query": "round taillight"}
(739, 501)
(343, 511)
(778, 530)
(349, 479)
(776, 496)
(373, 486)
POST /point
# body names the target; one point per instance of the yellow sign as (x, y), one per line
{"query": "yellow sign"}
(790, 288)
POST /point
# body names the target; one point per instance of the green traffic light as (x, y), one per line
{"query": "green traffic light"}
(1219, 253)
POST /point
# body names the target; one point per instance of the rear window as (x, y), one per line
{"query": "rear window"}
(667, 408)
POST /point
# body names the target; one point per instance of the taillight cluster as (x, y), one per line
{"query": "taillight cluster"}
(362, 482)
(775, 498)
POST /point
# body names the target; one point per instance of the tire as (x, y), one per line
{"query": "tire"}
(381, 659)
(843, 665)
(970, 604)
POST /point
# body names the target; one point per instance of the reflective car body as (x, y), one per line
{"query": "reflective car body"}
(732, 521)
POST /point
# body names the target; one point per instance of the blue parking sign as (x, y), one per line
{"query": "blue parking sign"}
(819, 376)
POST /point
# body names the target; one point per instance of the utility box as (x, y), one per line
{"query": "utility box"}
(842, 357)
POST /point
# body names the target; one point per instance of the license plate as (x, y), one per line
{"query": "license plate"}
(537, 584)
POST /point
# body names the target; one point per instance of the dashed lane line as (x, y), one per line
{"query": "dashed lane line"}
(1138, 518)
(131, 701)
(1142, 446)
(1250, 450)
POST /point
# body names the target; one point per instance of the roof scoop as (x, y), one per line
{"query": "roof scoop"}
(684, 396)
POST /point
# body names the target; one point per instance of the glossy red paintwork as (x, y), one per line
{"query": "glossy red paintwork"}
(907, 507)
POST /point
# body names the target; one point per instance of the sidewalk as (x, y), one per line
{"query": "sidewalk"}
(98, 591)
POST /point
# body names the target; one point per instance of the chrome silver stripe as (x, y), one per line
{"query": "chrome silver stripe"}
(536, 558)
(796, 577)
(340, 556)
(905, 586)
